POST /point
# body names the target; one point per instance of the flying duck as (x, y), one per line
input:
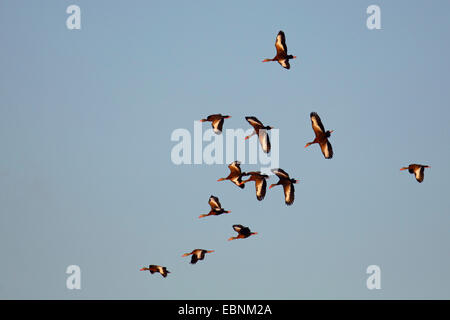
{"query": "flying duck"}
(243, 232)
(197, 254)
(417, 169)
(260, 183)
(216, 207)
(287, 183)
(154, 268)
(321, 136)
(235, 175)
(216, 121)
(282, 57)
(261, 131)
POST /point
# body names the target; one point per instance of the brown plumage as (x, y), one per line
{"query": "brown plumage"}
(287, 183)
(216, 121)
(216, 207)
(197, 254)
(321, 136)
(260, 183)
(154, 268)
(243, 232)
(282, 57)
(417, 170)
(261, 131)
(235, 175)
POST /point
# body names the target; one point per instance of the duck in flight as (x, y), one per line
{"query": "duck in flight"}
(154, 268)
(216, 122)
(261, 131)
(197, 254)
(282, 56)
(216, 207)
(417, 169)
(287, 183)
(260, 183)
(235, 175)
(243, 232)
(321, 136)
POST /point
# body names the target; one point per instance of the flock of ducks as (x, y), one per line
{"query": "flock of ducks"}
(236, 174)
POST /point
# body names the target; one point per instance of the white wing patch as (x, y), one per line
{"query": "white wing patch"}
(237, 228)
(215, 125)
(279, 43)
(214, 203)
(315, 124)
(419, 174)
(264, 140)
(279, 172)
(288, 193)
(235, 180)
(327, 150)
(253, 122)
(284, 63)
(279, 40)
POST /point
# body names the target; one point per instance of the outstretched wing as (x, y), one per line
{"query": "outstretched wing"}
(419, 173)
(217, 125)
(194, 258)
(245, 231)
(317, 124)
(214, 203)
(281, 173)
(289, 191)
(260, 186)
(280, 44)
(254, 122)
(327, 150)
(264, 140)
(162, 271)
(284, 63)
(213, 117)
(165, 272)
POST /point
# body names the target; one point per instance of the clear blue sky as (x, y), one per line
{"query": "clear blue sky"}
(85, 170)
